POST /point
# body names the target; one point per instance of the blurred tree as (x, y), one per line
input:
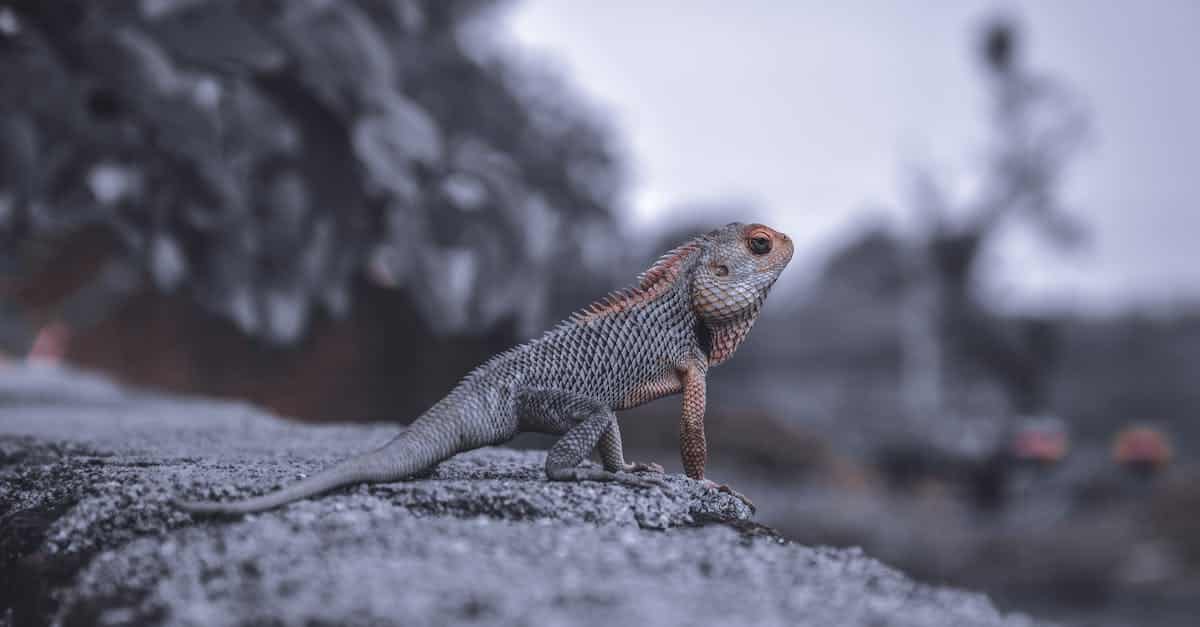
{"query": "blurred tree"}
(257, 156)
(1038, 128)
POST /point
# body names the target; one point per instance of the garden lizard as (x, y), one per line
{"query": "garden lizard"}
(687, 313)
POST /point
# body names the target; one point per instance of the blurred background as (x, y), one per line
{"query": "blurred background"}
(981, 365)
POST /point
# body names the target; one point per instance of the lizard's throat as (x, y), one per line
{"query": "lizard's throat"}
(727, 311)
(719, 339)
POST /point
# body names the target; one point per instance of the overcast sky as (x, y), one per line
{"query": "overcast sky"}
(814, 111)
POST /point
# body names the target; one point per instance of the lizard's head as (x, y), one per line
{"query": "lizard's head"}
(738, 265)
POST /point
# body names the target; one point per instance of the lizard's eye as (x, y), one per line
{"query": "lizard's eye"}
(760, 245)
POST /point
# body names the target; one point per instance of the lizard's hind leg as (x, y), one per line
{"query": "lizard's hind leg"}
(582, 421)
(612, 453)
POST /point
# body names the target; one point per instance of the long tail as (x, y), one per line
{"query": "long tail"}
(427, 442)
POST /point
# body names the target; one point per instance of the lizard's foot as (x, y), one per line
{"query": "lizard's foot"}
(594, 474)
(650, 467)
(721, 487)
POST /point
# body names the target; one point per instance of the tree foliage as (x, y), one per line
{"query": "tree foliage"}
(261, 154)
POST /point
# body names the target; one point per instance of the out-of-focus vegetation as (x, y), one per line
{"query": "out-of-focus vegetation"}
(365, 199)
(258, 156)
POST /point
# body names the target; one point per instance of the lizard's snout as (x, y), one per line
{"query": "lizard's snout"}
(786, 246)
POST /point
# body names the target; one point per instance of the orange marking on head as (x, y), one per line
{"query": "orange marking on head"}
(1141, 445)
(781, 244)
(760, 230)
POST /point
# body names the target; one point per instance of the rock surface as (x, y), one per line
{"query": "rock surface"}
(88, 536)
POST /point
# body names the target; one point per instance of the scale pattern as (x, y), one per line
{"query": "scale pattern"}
(693, 446)
(688, 312)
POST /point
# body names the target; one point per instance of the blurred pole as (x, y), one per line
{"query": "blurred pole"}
(920, 341)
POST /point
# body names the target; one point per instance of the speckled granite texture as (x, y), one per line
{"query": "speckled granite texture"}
(88, 535)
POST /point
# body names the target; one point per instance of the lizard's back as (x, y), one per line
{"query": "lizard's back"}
(613, 357)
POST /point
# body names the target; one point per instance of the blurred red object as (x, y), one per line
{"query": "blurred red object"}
(51, 343)
(1041, 441)
(1142, 448)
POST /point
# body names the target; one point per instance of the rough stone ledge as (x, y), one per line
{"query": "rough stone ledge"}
(87, 534)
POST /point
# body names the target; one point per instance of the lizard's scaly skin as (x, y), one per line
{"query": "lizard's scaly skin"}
(692, 445)
(688, 312)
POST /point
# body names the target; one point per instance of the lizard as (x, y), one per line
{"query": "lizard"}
(687, 313)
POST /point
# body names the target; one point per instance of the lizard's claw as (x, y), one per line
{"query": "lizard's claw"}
(721, 487)
(650, 467)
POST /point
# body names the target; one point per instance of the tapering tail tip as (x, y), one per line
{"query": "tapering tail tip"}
(392, 462)
(410, 452)
(207, 508)
(253, 505)
(336, 477)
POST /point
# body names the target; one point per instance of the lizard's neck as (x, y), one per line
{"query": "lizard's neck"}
(727, 314)
(721, 339)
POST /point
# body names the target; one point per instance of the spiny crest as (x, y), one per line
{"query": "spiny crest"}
(668, 266)
(652, 283)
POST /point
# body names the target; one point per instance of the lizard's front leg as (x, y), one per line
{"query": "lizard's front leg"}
(582, 421)
(612, 453)
(692, 444)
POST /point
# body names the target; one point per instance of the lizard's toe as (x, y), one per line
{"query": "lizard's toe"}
(650, 467)
(579, 473)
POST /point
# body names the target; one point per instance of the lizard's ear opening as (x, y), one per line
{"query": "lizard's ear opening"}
(719, 269)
